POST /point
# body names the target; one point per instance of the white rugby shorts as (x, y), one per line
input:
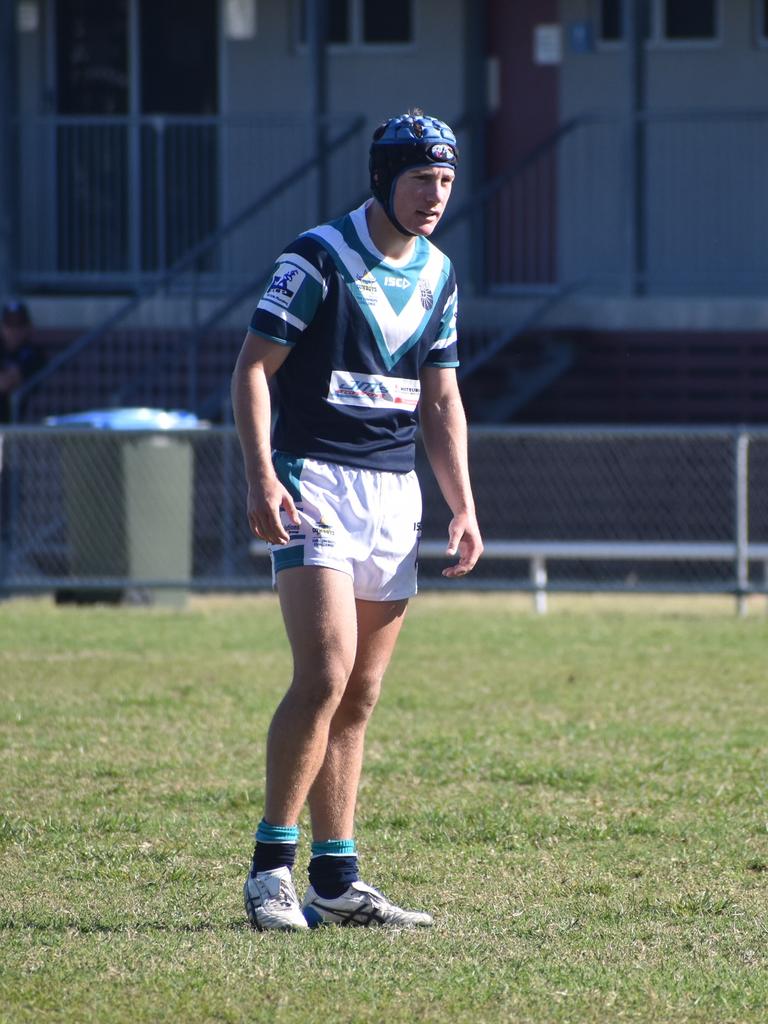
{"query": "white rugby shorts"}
(363, 522)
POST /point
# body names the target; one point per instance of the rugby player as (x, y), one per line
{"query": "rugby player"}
(357, 331)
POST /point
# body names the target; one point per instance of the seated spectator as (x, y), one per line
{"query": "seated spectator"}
(20, 359)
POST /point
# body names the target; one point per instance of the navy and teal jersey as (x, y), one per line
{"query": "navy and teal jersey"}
(361, 328)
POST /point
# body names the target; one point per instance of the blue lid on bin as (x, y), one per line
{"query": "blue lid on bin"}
(138, 418)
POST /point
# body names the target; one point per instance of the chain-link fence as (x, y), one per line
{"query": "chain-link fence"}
(92, 513)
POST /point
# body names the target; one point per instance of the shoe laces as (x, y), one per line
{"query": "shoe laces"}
(284, 897)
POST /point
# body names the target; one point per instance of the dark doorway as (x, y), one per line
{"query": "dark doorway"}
(179, 58)
(521, 225)
(92, 79)
(135, 192)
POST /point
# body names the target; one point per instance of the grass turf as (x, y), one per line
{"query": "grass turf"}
(578, 798)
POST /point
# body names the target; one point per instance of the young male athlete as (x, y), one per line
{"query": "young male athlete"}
(357, 328)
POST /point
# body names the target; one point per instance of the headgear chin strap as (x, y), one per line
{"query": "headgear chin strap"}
(404, 142)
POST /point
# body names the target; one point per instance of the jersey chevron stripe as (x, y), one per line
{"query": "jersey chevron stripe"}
(394, 333)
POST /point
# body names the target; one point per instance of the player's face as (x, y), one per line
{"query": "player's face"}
(420, 198)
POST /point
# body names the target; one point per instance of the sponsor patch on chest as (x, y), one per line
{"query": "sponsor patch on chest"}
(373, 391)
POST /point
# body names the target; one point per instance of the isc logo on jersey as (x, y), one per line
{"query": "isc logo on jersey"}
(284, 285)
(396, 282)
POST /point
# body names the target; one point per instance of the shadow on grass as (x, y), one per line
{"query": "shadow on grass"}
(23, 923)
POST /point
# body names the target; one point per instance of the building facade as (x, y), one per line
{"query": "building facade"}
(613, 151)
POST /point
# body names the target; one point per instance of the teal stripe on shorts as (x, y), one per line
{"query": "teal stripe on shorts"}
(287, 558)
(288, 469)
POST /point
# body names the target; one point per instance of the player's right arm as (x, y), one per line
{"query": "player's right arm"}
(257, 363)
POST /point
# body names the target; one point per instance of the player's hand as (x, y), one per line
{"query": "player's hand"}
(264, 503)
(463, 539)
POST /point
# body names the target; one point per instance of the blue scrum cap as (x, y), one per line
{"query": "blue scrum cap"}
(403, 142)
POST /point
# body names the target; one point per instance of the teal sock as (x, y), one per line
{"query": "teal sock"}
(275, 847)
(335, 848)
(267, 833)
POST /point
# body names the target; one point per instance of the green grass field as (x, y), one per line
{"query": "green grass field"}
(578, 798)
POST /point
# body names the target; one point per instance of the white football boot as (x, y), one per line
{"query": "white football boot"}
(271, 901)
(360, 905)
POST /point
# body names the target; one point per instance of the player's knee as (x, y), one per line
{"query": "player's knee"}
(360, 698)
(321, 688)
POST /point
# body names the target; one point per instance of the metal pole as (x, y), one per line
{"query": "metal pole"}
(742, 521)
(316, 38)
(161, 220)
(4, 532)
(636, 21)
(475, 100)
(538, 571)
(8, 148)
(134, 198)
(231, 514)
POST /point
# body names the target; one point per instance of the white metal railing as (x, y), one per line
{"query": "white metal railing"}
(538, 553)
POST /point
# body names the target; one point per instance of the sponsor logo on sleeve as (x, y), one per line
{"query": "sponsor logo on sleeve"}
(285, 282)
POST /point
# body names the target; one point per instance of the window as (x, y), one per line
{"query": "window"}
(337, 26)
(673, 21)
(689, 19)
(611, 20)
(762, 22)
(92, 57)
(363, 22)
(387, 23)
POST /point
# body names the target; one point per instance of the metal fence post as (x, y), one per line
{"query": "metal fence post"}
(742, 521)
(161, 220)
(539, 581)
(228, 553)
(3, 523)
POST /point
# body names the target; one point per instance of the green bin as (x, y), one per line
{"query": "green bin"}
(128, 497)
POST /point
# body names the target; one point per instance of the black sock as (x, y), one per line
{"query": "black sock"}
(268, 856)
(330, 876)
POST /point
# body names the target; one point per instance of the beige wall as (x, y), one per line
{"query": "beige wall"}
(270, 74)
(732, 72)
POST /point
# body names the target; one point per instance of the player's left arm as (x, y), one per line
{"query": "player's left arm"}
(444, 431)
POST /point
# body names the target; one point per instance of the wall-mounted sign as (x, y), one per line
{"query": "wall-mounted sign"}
(240, 19)
(28, 16)
(547, 44)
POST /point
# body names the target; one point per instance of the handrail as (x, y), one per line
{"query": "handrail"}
(495, 184)
(479, 200)
(176, 269)
(468, 208)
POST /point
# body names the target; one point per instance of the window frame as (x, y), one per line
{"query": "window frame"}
(760, 22)
(656, 39)
(356, 42)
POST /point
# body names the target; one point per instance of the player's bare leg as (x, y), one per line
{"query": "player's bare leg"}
(336, 895)
(319, 613)
(318, 608)
(333, 795)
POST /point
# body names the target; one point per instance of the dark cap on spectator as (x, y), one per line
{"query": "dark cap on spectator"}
(15, 314)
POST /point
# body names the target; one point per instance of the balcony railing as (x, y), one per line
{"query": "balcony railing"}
(110, 203)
